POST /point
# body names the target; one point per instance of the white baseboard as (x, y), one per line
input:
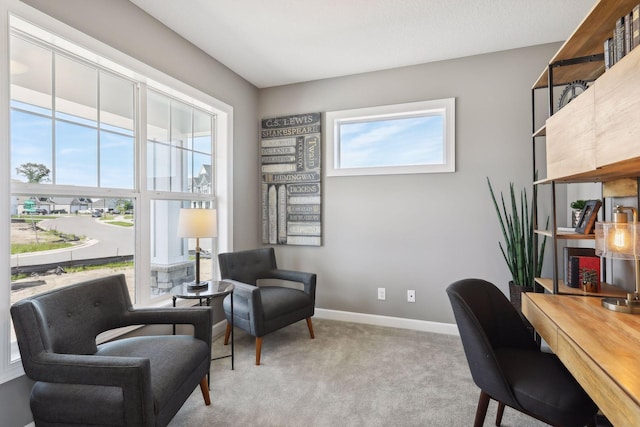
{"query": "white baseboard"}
(393, 322)
(369, 319)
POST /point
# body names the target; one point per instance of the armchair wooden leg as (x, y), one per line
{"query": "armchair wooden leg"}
(499, 414)
(204, 388)
(481, 411)
(227, 333)
(310, 326)
(258, 349)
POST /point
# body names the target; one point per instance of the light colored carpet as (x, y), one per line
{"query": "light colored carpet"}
(350, 375)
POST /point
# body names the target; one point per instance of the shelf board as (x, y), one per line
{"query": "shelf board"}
(566, 235)
(607, 290)
(588, 39)
(541, 132)
(625, 169)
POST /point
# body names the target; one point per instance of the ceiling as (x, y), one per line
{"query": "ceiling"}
(278, 42)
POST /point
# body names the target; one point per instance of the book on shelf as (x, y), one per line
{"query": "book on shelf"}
(627, 33)
(635, 26)
(608, 53)
(570, 252)
(584, 269)
(618, 37)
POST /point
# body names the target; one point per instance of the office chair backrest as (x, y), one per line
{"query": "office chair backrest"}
(487, 321)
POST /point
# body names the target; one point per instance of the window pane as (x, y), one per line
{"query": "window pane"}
(89, 242)
(181, 125)
(116, 160)
(392, 142)
(158, 167)
(76, 155)
(416, 137)
(172, 257)
(76, 91)
(202, 132)
(173, 163)
(157, 117)
(31, 75)
(116, 104)
(30, 143)
(202, 180)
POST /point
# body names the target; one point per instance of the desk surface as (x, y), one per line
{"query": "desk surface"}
(600, 347)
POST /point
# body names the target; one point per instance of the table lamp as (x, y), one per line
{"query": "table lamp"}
(619, 239)
(198, 223)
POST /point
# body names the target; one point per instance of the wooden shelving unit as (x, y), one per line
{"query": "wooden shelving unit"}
(595, 137)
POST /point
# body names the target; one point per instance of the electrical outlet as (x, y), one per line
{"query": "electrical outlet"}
(411, 295)
(382, 294)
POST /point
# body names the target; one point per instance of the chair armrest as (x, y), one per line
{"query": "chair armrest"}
(250, 294)
(307, 279)
(132, 374)
(199, 317)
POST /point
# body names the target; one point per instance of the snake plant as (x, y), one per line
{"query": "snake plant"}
(519, 243)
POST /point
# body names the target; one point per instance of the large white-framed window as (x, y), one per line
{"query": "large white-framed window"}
(100, 152)
(416, 137)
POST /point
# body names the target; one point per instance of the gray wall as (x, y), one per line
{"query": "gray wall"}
(420, 232)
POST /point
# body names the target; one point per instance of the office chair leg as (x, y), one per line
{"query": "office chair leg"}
(204, 388)
(481, 411)
(499, 414)
(258, 349)
(227, 333)
(310, 326)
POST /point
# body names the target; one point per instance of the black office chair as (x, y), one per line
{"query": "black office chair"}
(507, 364)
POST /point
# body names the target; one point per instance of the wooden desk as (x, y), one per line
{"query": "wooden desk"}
(601, 348)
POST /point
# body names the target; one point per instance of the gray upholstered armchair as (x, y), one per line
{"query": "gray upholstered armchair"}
(260, 310)
(138, 381)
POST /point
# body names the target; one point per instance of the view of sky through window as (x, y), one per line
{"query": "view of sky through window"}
(392, 142)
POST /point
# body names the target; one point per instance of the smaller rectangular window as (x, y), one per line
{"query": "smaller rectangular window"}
(417, 137)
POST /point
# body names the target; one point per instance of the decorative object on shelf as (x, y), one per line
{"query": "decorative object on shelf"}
(619, 239)
(588, 216)
(570, 92)
(590, 280)
(577, 206)
(198, 223)
(520, 248)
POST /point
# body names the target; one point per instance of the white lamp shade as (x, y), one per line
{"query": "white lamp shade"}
(198, 223)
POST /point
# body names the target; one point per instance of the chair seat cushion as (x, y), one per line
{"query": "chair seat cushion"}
(278, 301)
(172, 360)
(542, 385)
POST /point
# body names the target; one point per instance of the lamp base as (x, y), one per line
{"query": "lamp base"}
(197, 286)
(622, 305)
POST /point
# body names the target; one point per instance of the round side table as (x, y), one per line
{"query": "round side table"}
(215, 289)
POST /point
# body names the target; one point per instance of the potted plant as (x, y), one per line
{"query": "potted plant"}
(577, 206)
(519, 249)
